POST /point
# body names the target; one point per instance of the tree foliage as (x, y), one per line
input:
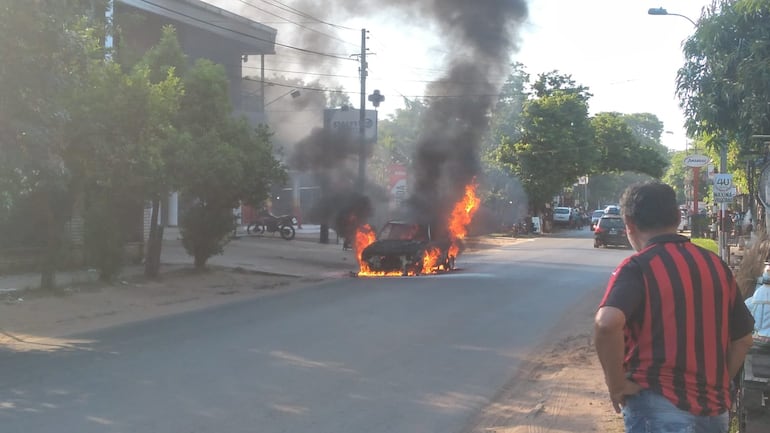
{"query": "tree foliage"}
(623, 148)
(81, 132)
(224, 162)
(47, 48)
(555, 146)
(724, 84)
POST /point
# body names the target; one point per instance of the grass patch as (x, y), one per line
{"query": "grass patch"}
(706, 243)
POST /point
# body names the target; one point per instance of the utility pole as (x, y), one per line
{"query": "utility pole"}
(108, 37)
(363, 71)
(724, 248)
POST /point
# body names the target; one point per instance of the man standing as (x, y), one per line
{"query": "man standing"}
(672, 329)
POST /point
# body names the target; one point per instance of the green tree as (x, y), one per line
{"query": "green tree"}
(501, 192)
(224, 161)
(164, 63)
(622, 148)
(555, 147)
(122, 135)
(397, 139)
(47, 47)
(724, 84)
(505, 122)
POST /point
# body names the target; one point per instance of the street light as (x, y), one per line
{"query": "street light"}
(662, 11)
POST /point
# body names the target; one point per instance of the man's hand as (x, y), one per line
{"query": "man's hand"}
(618, 397)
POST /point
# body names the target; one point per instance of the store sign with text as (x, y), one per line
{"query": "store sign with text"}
(696, 160)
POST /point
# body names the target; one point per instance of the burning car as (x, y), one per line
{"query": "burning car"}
(407, 248)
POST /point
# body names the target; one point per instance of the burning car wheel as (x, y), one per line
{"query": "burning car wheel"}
(450, 264)
(405, 270)
(410, 268)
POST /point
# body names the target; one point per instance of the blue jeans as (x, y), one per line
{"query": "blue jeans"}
(650, 412)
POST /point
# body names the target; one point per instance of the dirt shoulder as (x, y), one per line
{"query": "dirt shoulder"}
(559, 388)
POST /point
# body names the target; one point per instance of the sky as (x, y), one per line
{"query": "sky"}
(627, 58)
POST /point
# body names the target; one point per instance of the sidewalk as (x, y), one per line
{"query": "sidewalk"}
(269, 254)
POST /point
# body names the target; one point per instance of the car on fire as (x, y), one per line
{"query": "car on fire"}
(403, 247)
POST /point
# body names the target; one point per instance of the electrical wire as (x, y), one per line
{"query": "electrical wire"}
(304, 50)
(288, 8)
(322, 89)
(301, 72)
(296, 23)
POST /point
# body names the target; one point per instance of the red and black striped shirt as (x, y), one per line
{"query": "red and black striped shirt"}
(682, 308)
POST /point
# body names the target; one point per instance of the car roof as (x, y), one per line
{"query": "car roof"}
(612, 216)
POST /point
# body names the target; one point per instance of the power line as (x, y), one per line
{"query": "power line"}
(300, 72)
(295, 23)
(243, 34)
(287, 8)
(316, 89)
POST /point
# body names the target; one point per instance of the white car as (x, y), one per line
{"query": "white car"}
(683, 221)
(561, 215)
(598, 213)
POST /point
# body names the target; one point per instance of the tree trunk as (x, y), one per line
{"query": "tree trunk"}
(154, 242)
(51, 253)
(200, 262)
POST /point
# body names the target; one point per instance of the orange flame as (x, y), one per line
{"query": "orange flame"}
(430, 261)
(461, 217)
(365, 236)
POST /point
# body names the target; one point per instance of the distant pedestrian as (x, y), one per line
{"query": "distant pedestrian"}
(672, 329)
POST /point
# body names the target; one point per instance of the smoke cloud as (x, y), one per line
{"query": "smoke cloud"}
(480, 36)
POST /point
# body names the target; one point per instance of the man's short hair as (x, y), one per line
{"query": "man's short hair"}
(650, 205)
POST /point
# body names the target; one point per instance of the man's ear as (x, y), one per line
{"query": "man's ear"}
(630, 226)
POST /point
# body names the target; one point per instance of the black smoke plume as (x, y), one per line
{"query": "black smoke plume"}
(480, 36)
(332, 156)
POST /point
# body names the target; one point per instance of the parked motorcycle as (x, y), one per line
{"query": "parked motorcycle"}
(268, 223)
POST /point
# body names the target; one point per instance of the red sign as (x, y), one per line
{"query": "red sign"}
(397, 184)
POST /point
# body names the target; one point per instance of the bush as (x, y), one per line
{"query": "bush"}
(205, 231)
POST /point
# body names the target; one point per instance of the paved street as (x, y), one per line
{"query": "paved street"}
(421, 354)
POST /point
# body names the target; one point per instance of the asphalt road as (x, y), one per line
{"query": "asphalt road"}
(352, 355)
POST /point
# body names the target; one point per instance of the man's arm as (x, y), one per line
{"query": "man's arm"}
(608, 339)
(736, 353)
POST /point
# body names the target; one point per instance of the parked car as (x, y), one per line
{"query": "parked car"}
(598, 213)
(562, 215)
(610, 231)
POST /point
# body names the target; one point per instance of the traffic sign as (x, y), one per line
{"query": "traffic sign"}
(724, 190)
(725, 196)
(723, 182)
